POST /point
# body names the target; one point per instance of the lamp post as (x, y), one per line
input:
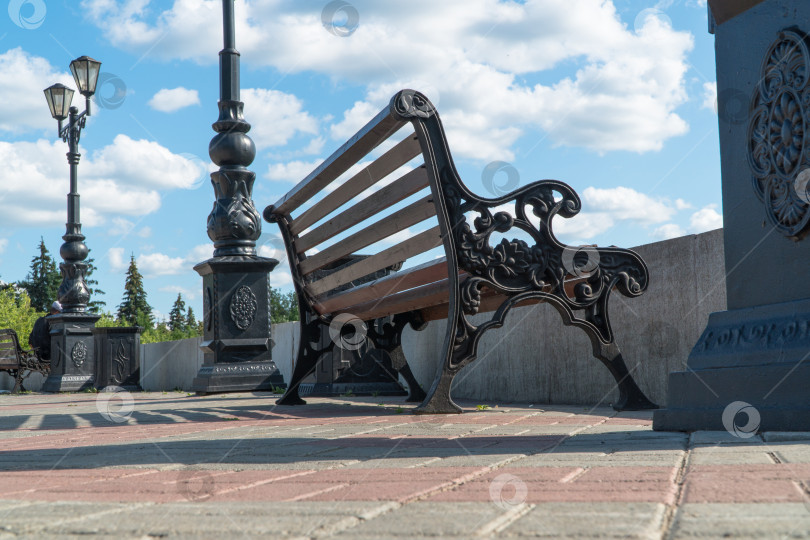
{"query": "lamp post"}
(236, 290)
(72, 362)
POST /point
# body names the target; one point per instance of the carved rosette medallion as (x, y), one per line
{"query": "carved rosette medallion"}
(243, 307)
(78, 354)
(777, 134)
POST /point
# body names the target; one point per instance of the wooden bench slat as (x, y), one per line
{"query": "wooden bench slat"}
(420, 243)
(396, 222)
(492, 300)
(428, 272)
(401, 302)
(364, 141)
(396, 157)
(404, 187)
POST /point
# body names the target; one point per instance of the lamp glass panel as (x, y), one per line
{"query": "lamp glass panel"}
(59, 98)
(79, 69)
(85, 71)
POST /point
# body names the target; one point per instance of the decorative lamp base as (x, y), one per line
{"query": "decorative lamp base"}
(73, 361)
(236, 335)
(746, 357)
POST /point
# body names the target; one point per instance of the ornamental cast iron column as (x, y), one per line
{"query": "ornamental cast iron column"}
(236, 288)
(72, 351)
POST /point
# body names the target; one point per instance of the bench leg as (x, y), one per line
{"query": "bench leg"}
(458, 352)
(306, 362)
(631, 398)
(439, 400)
(390, 341)
(18, 381)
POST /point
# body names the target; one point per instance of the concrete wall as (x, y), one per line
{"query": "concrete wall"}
(171, 364)
(534, 358)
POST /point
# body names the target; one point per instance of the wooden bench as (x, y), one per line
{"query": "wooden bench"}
(16, 361)
(477, 273)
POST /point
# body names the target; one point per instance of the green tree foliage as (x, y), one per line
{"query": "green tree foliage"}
(134, 310)
(177, 316)
(42, 282)
(283, 307)
(17, 313)
(95, 305)
(191, 321)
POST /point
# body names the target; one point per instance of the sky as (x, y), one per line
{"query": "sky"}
(617, 98)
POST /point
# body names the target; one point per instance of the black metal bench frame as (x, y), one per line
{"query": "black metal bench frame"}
(479, 277)
(18, 362)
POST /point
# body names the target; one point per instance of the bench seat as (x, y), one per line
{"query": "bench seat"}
(348, 206)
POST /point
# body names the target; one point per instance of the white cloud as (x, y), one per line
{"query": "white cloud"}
(112, 180)
(710, 96)
(3, 244)
(291, 171)
(116, 258)
(276, 117)
(160, 264)
(23, 109)
(478, 54)
(681, 204)
(171, 100)
(670, 230)
(280, 278)
(627, 204)
(605, 208)
(705, 219)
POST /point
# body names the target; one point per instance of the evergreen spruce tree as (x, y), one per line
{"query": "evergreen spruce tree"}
(134, 309)
(191, 322)
(177, 316)
(95, 305)
(42, 282)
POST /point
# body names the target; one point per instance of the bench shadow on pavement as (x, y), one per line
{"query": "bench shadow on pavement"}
(261, 435)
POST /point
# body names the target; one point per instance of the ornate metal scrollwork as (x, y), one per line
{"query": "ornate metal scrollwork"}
(514, 266)
(78, 354)
(243, 307)
(777, 134)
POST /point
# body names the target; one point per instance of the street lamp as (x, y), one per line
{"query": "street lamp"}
(72, 346)
(73, 292)
(236, 289)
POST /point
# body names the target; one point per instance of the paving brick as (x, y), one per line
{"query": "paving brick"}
(754, 521)
(594, 520)
(182, 468)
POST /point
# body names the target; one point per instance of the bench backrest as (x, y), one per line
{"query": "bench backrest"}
(9, 349)
(314, 212)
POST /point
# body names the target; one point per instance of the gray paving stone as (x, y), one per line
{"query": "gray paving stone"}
(279, 520)
(427, 519)
(791, 453)
(755, 521)
(662, 458)
(722, 437)
(786, 436)
(591, 520)
(729, 455)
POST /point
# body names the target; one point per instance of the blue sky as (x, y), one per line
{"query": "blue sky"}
(616, 98)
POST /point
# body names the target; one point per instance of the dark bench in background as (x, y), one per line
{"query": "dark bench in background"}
(18, 362)
(473, 277)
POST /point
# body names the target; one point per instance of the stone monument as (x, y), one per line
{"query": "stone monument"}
(752, 360)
